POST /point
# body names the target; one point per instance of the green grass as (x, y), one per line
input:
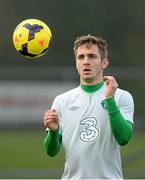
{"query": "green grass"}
(134, 151)
(25, 150)
(137, 141)
(21, 150)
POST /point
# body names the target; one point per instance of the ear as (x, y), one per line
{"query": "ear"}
(105, 63)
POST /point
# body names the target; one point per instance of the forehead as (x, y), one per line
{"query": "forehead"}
(88, 48)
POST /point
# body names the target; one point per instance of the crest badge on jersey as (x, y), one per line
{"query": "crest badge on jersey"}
(104, 105)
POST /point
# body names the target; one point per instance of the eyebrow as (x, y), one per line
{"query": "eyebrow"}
(89, 54)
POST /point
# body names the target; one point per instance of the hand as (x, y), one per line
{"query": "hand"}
(51, 119)
(111, 86)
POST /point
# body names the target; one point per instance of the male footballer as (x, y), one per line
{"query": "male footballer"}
(93, 120)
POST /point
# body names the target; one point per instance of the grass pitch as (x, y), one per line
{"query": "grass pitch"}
(22, 156)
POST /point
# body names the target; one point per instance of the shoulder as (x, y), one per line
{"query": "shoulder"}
(123, 96)
(122, 92)
(125, 103)
(68, 94)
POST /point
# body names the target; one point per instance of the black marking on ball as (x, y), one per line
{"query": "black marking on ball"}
(35, 28)
(25, 52)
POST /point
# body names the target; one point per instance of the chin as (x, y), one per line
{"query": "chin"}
(88, 80)
(88, 77)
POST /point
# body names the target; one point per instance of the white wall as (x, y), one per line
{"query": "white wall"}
(27, 101)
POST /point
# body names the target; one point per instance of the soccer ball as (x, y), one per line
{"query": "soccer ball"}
(32, 38)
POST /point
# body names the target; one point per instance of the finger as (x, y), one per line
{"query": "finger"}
(50, 116)
(53, 110)
(105, 78)
(48, 122)
(108, 78)
(49, 119)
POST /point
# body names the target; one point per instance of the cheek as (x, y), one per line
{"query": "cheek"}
(78, 66)
(97, 68)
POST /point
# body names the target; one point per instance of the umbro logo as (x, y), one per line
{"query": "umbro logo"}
(73, 108)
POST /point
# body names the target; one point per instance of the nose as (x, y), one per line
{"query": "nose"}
(86, 60)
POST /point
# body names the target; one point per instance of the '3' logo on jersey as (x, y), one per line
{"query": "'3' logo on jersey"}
(90, 132)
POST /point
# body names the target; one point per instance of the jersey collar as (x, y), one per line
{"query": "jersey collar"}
(92, 88)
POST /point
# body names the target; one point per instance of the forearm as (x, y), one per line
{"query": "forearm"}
(121, 128)
(52, 142)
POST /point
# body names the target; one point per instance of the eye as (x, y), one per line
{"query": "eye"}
(93, 56)
(80, 57)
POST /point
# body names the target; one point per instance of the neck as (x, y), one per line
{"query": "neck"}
(91, 81)
(92, 88)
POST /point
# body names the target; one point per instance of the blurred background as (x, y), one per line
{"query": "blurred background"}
(28, 86)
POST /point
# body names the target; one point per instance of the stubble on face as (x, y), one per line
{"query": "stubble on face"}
(88, 62)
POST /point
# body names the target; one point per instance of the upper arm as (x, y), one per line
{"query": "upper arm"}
(126, 105)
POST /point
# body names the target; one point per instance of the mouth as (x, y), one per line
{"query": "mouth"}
(86, 70)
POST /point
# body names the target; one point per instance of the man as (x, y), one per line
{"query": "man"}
(93, 120)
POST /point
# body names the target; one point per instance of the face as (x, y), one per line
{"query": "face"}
(89, 64)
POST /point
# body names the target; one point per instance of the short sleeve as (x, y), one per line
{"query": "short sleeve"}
(126, 105)
(57, 106)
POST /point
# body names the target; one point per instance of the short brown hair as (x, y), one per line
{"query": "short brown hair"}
(88, 40)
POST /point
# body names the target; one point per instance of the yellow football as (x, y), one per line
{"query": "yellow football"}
(32, 38)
